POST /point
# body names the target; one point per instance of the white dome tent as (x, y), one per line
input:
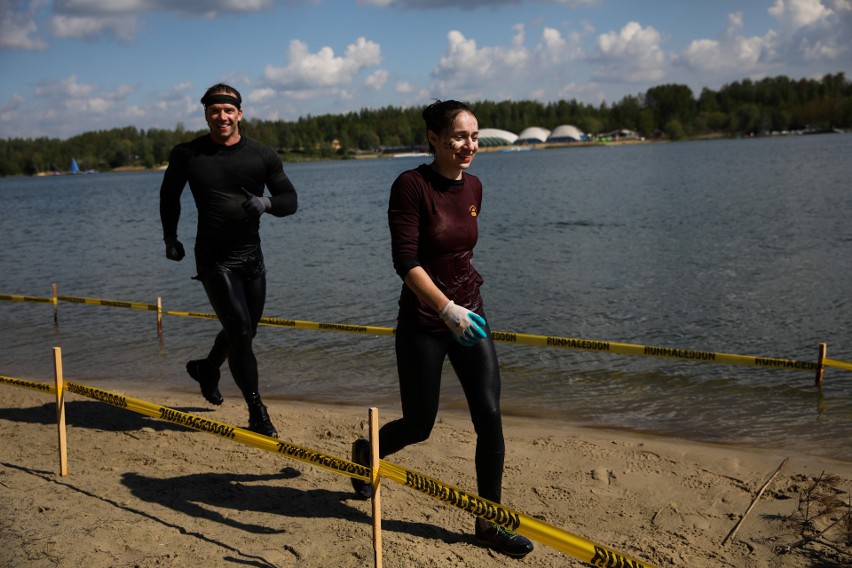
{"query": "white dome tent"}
(566, 133)
(496, 137)
(533, 135)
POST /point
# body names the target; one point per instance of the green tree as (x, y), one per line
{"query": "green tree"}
(671, 102)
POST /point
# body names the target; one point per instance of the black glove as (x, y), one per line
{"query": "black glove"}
(174, 248)
(255, 205)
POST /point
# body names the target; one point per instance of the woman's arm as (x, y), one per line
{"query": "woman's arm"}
(422, 285)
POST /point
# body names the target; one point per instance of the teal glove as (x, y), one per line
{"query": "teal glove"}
(468, 327)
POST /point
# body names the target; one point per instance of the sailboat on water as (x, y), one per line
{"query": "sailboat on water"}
(75, 169)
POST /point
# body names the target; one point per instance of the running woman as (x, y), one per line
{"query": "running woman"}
(433, 214)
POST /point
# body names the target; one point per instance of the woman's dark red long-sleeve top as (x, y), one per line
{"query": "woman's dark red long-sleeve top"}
(433, 224)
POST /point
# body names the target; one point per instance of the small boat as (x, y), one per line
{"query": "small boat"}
(75, 169)
(411, 155)
(516, 149)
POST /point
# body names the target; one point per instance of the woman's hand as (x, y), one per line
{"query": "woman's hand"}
(467, 326)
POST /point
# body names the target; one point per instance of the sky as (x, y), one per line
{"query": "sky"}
(73, 66)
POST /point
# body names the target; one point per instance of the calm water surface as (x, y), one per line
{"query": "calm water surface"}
(733, 246)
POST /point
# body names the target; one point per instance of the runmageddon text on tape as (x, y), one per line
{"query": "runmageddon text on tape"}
(498, 336)
(576, 546)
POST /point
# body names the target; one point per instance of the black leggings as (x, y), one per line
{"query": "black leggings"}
(420, 358)
(238, 302)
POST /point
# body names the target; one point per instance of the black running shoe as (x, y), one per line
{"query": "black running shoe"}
(259, 421)
(502, 540)
(207, 376)
(361, 455)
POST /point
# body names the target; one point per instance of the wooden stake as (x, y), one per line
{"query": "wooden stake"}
(159, 315)
(375, 481)
(753, 502)
(820, 364)
(60, 411)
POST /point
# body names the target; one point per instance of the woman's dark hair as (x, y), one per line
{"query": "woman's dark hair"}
(440, 115)
(221, 89)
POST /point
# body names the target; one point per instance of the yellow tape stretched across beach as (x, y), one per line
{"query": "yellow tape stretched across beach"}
(110, 303)
(79, 300)
(21, 298)
(592, 345)
(573, 545)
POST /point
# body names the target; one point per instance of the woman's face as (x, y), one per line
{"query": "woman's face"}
(456, 146)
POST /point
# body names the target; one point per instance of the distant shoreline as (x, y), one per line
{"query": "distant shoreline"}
(288, 158)
(291, 157)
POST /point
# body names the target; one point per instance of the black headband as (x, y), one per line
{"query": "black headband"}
(221, 99)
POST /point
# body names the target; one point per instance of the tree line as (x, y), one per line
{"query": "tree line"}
(671, 111)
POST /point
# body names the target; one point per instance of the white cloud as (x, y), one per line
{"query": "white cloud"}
(809, 31)
(196, 8)
(119, 19)
(796, 14)
(72, 27)
(61, 108)
(12, 111)
(814, 30)
(377, 79)
(466, 71)
(470, 72)
(734, 53)
(552, 47)
(404, 87)
(73, 96)
(68, 88)
(18, 26)
(576, 3)
(306, 71)
(261, 95)
(633, 54)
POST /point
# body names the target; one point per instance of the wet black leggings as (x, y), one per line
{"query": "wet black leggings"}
(238, 302)
(420, 358)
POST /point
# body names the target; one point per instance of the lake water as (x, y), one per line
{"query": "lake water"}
(732, 246)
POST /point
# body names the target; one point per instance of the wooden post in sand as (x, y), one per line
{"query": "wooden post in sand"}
(159, 315)
(60, 411)
(820, 366)
(375, 483)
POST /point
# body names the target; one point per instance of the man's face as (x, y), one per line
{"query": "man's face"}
(224, 122)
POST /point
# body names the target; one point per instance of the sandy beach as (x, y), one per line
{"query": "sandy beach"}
(143, 493)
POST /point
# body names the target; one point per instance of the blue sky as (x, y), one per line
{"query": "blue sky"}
(71, 66)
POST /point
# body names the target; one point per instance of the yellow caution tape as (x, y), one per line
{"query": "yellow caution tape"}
(110, 303)
(41, 387)
(837, 364)
(499, 336)
(573, 545)
(202, 315)
(221, 429)
(651, 351)
(576, 546)
(32, 299)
